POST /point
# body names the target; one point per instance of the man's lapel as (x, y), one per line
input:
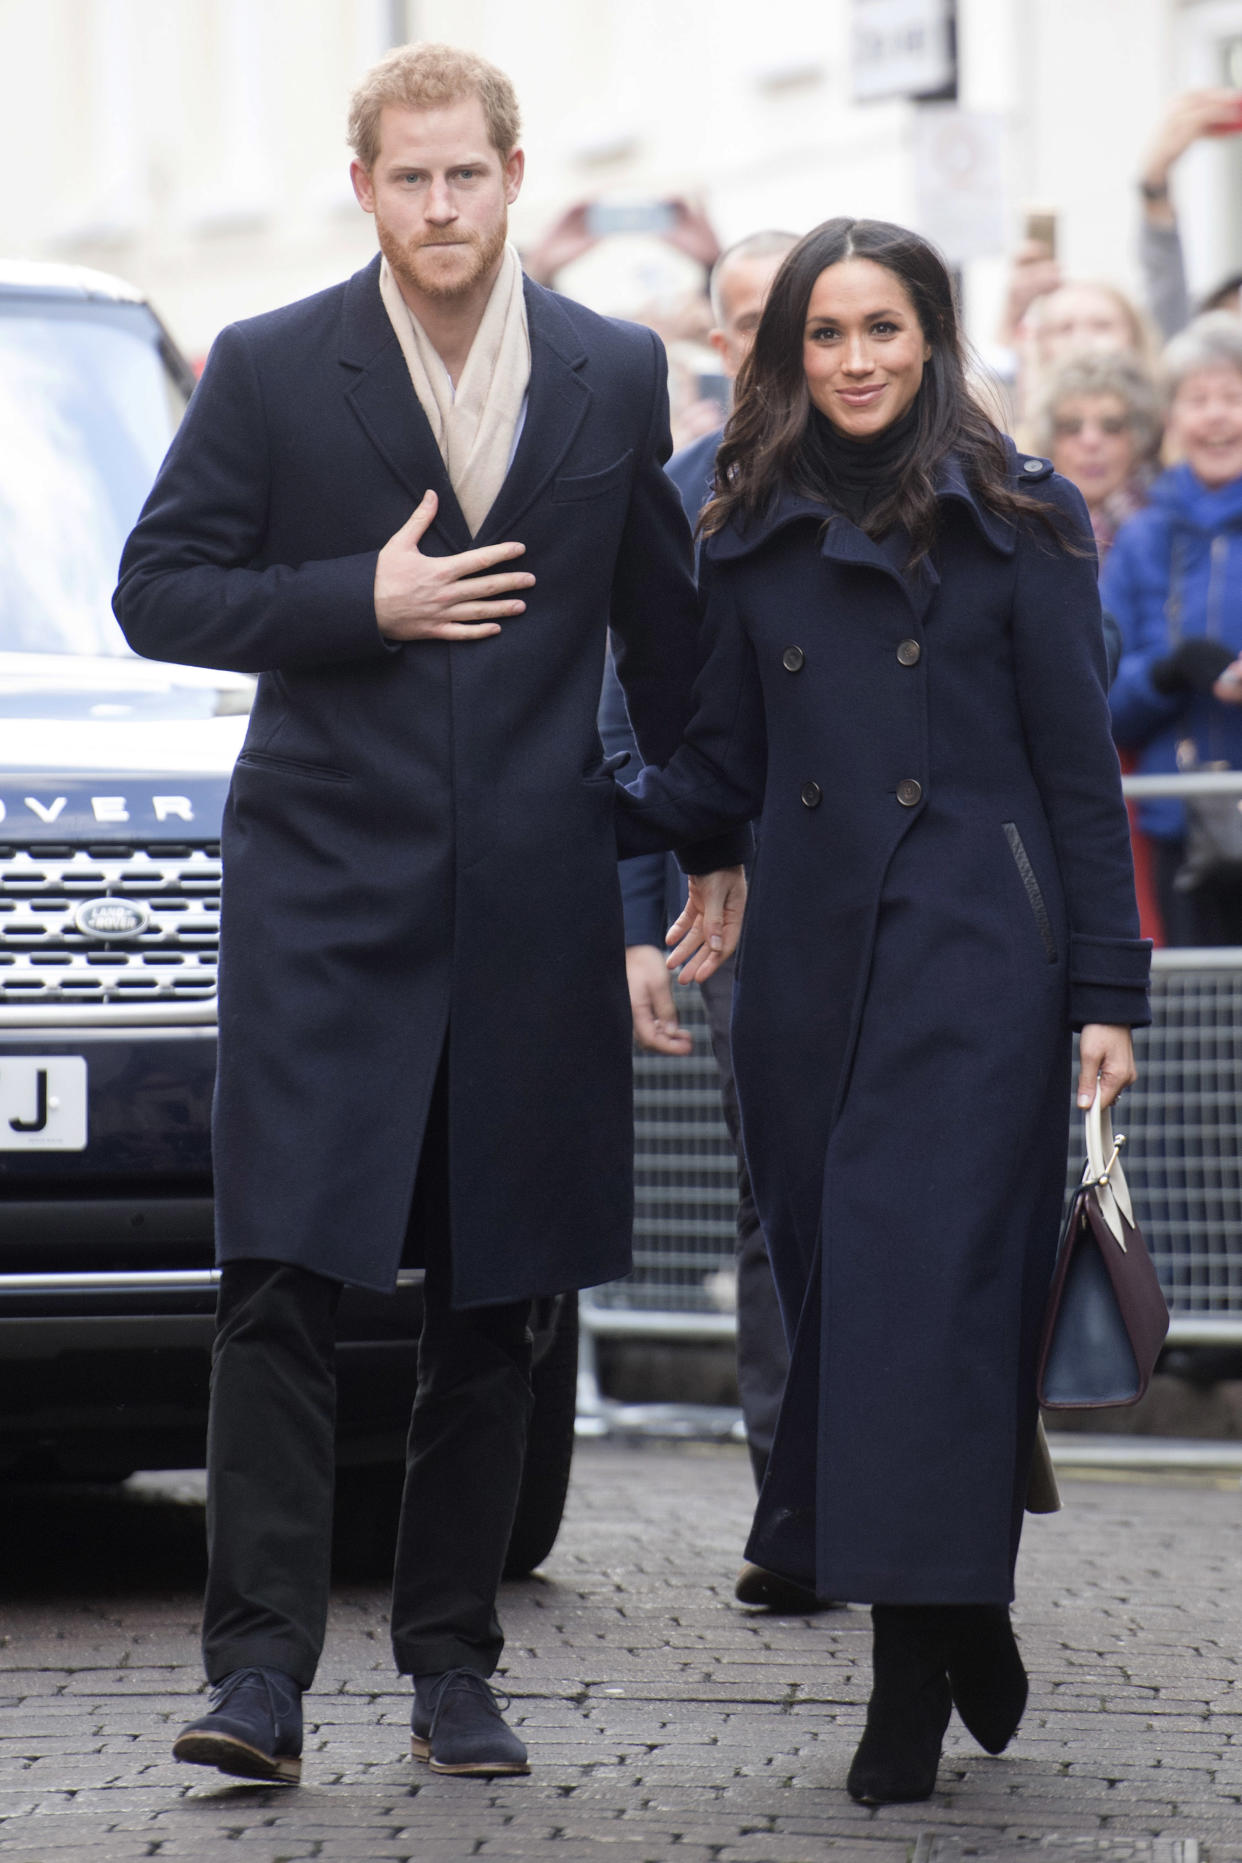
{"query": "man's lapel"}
(379, 389)
(555, 409)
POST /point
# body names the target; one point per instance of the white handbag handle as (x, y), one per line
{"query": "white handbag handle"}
(1104, 1168)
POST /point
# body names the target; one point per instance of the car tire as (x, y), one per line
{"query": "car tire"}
(549, 1448)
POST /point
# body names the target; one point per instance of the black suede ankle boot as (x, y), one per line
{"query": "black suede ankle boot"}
(986, 1674)
(910, 1705)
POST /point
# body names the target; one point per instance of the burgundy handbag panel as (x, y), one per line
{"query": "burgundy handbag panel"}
(1106, 1319)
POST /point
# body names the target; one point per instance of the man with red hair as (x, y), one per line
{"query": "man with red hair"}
(414, 505)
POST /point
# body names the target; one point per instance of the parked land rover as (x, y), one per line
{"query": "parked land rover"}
(113, 776)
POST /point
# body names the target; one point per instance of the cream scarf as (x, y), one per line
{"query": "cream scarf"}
(474, 428)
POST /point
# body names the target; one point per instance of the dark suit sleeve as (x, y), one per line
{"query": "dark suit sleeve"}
(653, 616)
(1062, 686)
(715, 781)
(644, 880)
(194, 587)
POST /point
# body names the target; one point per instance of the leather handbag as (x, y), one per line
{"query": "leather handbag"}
(1107, 1317)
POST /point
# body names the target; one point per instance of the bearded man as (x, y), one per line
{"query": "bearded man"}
(418, 1063)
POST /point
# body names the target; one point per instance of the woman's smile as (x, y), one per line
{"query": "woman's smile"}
(863, 348)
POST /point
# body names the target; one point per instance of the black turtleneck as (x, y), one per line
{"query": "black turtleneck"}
(854, 475)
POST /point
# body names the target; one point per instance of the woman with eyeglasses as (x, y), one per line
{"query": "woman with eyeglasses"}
(1099, 423)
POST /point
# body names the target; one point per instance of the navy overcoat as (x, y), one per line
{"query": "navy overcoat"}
(942, 892)
(419, 845)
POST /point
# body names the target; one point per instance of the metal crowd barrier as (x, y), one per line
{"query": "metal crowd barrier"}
(1182, 1120)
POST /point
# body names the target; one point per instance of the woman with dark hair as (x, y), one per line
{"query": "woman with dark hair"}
(904, 682)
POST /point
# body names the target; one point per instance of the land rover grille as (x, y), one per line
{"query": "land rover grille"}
(47, 958)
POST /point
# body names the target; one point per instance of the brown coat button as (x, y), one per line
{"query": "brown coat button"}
(812, 795)
(908, 652)
(909, 792)
(793, 659)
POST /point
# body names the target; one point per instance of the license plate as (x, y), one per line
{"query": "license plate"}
(42, 1103)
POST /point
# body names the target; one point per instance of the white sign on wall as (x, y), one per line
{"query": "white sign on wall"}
(960, 199)
(901, 48)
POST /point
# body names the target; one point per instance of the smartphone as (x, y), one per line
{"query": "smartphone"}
(1041, 224)
(604, 217)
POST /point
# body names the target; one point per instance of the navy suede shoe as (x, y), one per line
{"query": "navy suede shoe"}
(458, 1727)
(254, 1730)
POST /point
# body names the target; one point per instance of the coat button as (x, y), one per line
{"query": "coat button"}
(909, 652)
(812, 795)
(1032, 465)
(793, 659)
(908, 792)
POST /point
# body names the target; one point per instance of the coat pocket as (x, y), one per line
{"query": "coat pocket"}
(1035, 898)
(293, 766)
(592, 484)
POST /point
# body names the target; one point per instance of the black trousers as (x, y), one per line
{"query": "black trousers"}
(762, 1354)
(270, 1459)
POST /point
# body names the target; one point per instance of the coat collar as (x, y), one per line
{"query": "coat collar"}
(844, 542)
(383, 397)
(951, 482)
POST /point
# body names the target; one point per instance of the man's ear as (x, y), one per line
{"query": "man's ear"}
(720, 343)
(363, 186)
(515, 170)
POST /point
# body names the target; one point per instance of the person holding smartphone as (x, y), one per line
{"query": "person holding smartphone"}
(1211, 112)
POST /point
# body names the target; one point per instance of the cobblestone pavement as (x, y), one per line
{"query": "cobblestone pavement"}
(666, 1724)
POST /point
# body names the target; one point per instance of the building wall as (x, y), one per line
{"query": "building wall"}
(197, 146)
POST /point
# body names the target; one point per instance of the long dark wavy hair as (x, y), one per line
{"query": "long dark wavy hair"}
(763, 446)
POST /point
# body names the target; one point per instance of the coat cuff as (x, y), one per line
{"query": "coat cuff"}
(1108, 980)
(643, 899)
(725, 850)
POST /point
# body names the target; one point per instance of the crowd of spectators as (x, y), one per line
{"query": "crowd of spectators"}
(1140, 405)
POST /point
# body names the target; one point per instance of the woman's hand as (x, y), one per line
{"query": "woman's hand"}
(1106, 1058)
(710, 924)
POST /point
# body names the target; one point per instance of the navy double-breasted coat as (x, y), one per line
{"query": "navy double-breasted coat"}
(942, 892)
(419, 844)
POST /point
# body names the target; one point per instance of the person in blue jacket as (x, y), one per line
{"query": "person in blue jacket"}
(903, 681)
(1174, 582)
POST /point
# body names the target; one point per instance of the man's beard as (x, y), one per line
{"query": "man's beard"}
(411, 268)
